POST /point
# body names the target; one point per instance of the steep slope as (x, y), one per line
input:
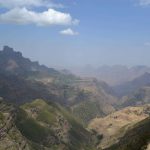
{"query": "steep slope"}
(52, 126)
(140, 97)
(22, 80)
(132, 86)
(10, 136)
(41, 126)
(80, 95)
(135, 138)
(92, 100)
(14, 63)
(116, 125)
(18, 90)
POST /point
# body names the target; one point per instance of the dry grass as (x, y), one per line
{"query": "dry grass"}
(114, 125)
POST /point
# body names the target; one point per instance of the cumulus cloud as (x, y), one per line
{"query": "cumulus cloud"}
(46, 18)
(69, 32)
(28, 3)
(23, 12)
(144, 2)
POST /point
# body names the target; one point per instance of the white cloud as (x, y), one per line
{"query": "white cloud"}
(144, 2)
(28, 3)
(69, 32)
(46, 18)
(22, 12)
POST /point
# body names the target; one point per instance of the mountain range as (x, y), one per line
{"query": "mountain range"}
(23, 80)
(112, 75)
(42, 108)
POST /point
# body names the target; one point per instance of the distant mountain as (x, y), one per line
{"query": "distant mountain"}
(112, 75)
(65, 104)
(127, 129)
(14, 63)
(22, 80)
(86, 98)
(132, 86)
(140, 97)
(92, 100)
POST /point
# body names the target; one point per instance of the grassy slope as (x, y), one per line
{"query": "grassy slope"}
(38, 126)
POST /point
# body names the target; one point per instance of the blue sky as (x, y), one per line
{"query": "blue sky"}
(78, 32)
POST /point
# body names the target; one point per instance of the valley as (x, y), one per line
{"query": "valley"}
(42, 108)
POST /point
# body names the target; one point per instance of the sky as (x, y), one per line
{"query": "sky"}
(65, 33)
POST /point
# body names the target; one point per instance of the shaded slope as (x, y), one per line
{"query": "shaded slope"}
(14, 63)
(92, 100)
(140, 97)
(18, 90)
(132, 86)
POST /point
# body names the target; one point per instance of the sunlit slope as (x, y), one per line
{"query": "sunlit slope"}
(135, 138)
(52, 126)
(118, 125)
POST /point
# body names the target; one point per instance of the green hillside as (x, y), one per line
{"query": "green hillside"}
(52, 127)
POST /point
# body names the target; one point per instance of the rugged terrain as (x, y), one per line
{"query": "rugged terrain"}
(115, 128)
(38, 125)
(135, 137)
(46, 109)
(130, 87)
(113, 75)
(10, 137)
(22, 80)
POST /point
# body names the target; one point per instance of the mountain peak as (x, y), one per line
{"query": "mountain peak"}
(7, 49)
(14, 62)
